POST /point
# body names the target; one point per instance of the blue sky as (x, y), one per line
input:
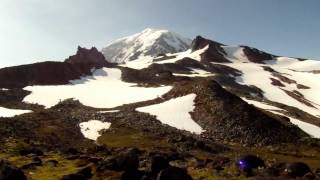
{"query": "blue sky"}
(38, 30)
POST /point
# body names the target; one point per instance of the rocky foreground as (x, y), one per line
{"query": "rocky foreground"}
(48, 144)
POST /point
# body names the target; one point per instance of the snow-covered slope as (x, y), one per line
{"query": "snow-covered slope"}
(297, 81)
(175, 113)
(149, 42)
(5, 112)
(104, 89)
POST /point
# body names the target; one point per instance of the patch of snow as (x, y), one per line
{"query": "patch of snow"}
(196, 73)
(92, 128)
(261, 104)
(235, 53)
(140, 63)
(5, 112)
(175, 113)
(253, 74)
(298, 71)
(295, 64)
(104, 89)
(310, 129)
(110, 111)
(146, 61)
(196, 55)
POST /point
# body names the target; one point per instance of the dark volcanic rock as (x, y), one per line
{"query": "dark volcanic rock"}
(85, 59)
(9, 172)
(297, 169)
(52, 73)
(159, 163)
(82, 174)
(276, 82)
(214, 53)
(44, 73)
(31, 150)
(155, 73)
(255, 55)
(174, 173)
(125, 161)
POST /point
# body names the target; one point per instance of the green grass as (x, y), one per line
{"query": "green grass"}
(128, 137)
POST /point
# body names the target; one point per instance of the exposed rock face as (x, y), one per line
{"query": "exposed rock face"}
(255, 55)
(46, 73)
(214, 53)
(85, 58)
(52, 73)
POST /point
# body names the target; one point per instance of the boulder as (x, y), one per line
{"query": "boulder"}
(83, 174)
(31, 150)
(36, 161)
(10, 172)
(125, 161)
(297, 169)
(249, 162)
(174, 173)
(158, 163)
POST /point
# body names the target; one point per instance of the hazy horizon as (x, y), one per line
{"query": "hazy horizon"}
(34, 30)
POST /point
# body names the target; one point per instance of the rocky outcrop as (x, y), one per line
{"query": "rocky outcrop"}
(214, 53)
(52, 73)
(85, 59)
(255, 55)
(45, 73)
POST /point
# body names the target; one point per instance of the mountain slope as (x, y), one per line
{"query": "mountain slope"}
(149, 42)
(194, 111)
(287, 84)
(53, 73)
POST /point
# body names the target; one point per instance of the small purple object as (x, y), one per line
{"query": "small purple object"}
(242, 164)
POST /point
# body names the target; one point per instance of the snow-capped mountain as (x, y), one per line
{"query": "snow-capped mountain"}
(168, 93)
(149, 42)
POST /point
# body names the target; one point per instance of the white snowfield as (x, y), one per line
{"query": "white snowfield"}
(91, 129)
(5, 112)
(254, 74)
(104, 89)
(146, 61)
(235, 52)
(176, 113)
(310, 129)
(138, 45)
(261, 104)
